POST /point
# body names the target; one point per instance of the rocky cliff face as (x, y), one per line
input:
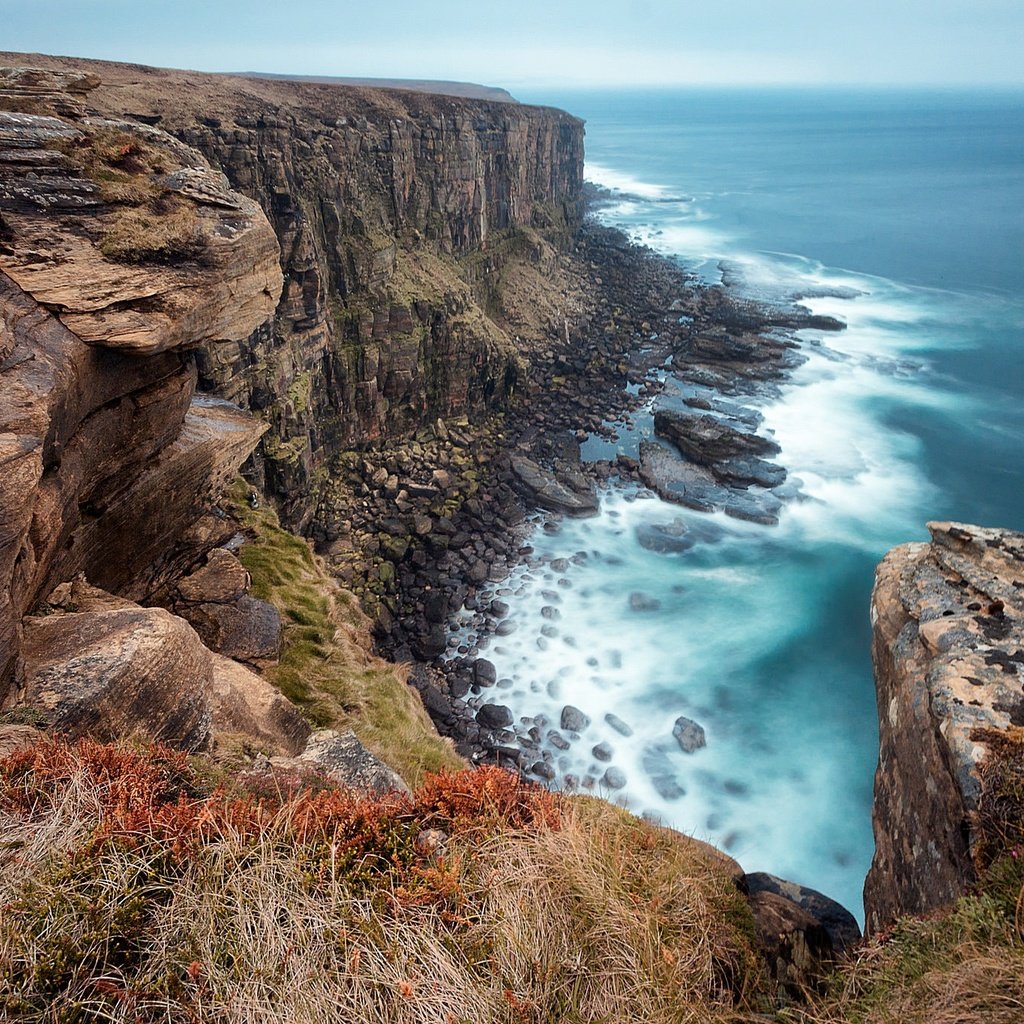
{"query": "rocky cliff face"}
(121, 252)
(949, 663)
(396, 215)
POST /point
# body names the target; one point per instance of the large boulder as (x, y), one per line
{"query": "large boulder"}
(245, 704)
(119, 673)
(841, 926)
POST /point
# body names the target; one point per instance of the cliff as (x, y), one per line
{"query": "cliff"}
(948, 650)
(121, 251)
(397, 213)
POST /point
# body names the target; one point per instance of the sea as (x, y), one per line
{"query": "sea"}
(901, 213)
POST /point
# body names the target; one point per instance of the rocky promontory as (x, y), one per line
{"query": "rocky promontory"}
(948, 650)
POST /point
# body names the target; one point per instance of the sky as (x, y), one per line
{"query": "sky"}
(547, 42)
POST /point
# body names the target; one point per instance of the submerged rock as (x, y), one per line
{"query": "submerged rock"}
(573, 720)
(688, 734)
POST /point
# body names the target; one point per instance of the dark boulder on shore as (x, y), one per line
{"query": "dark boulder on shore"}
(547, 490)
(838, 922)
(494, 716)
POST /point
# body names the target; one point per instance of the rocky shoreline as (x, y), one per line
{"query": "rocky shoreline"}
(422, 530)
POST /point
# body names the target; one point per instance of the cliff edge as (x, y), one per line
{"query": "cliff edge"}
(948, 651)
(398, 214)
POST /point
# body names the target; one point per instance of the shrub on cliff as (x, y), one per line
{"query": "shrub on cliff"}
(131, 891)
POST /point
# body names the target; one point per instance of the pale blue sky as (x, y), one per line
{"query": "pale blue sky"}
(545, 42)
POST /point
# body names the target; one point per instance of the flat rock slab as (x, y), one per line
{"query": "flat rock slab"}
(547, 490)
(707, 439)
(686, 483)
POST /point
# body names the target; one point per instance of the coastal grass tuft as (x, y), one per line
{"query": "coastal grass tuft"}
(131, 894)
(327, 666)
(145, 222)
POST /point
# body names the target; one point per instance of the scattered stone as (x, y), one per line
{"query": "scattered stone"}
(573, 720)
(689, 735)
(603, 751)
(643, 603)
(484, 672)
(613, 778)
(348, 762)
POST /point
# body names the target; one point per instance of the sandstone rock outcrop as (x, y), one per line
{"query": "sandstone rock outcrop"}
(244, 704)
(948, 650)
(121, 251)
(120, 673)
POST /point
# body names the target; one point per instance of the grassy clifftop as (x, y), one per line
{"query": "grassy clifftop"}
(136, 889)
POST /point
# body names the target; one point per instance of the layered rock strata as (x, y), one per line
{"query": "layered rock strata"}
(121, 252)
(948, 650)
(398, 215)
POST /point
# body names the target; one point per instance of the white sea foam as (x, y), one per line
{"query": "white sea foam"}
(620, 181)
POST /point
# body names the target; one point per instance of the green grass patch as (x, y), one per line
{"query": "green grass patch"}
(327, 665)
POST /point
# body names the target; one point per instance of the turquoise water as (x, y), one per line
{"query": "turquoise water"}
(903, 215)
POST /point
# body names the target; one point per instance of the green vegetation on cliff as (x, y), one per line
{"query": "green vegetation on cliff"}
(327, 666)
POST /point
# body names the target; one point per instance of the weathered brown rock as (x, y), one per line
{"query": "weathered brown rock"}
(247, 629)
(106, 459)
(948, 650)
(348, 762)
(172, 258)
(120, 673)
(795, 946)
(245, 704)
(33, 90)
(222, 580)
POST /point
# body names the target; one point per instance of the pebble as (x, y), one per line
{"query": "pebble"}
(618, 724)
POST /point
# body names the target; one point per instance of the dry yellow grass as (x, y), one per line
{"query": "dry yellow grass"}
(591, 916)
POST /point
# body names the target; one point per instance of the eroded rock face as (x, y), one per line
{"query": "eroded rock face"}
(396, 215)
(129, 236)
(948, 651)
(120, 252)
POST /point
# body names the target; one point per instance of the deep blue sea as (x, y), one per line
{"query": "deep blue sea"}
(903, 215)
